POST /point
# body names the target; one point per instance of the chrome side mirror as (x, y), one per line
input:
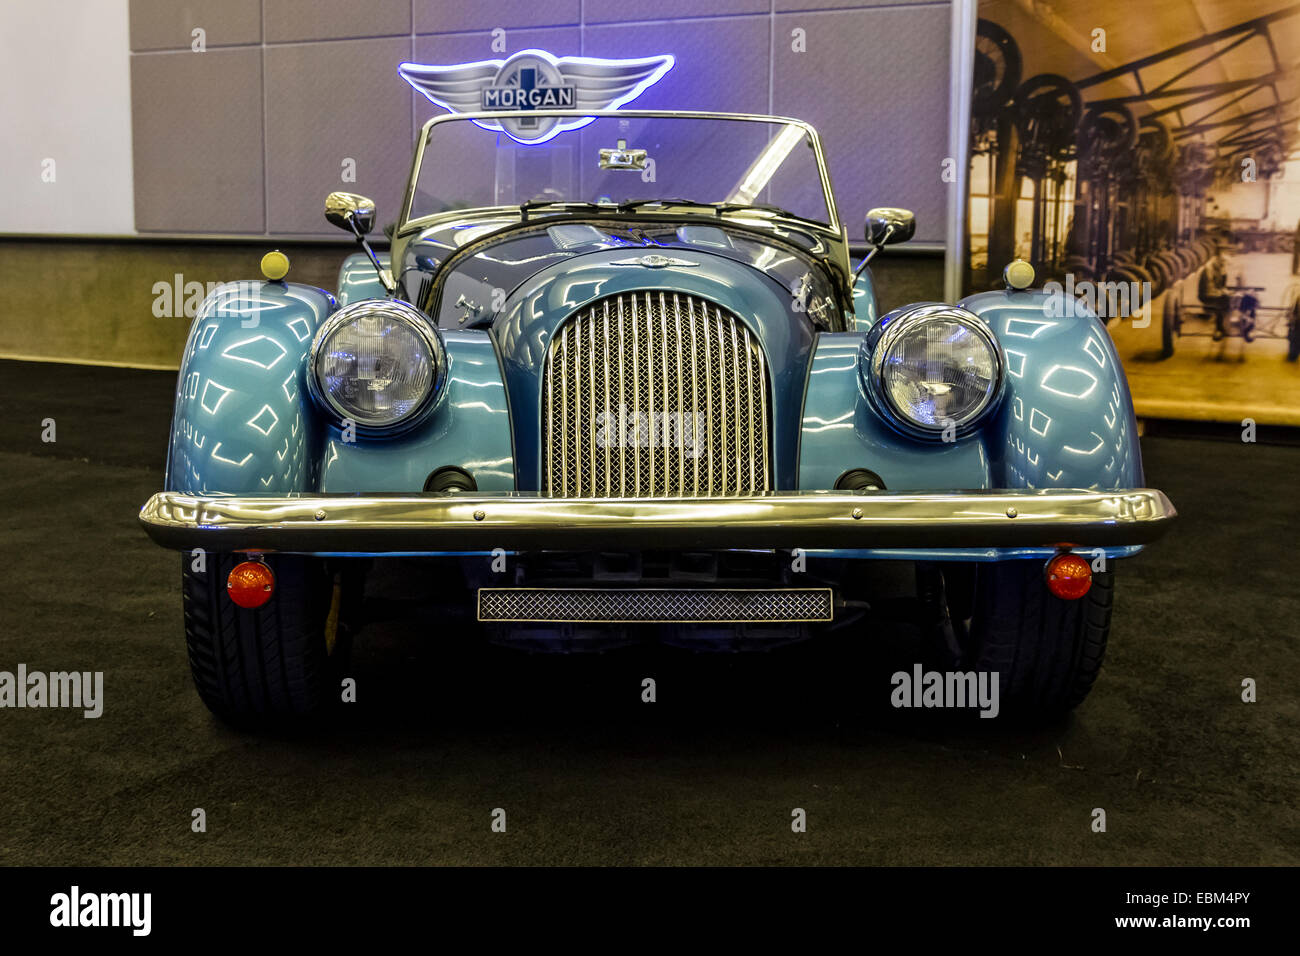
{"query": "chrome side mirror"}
(888, 225)
(350, 212)
(356, 214)
(885, 226)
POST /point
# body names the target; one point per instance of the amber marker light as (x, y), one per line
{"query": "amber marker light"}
(1069, 576)
(250, 584)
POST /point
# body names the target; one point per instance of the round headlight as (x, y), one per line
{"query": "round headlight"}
(934, 368)
(376, 363)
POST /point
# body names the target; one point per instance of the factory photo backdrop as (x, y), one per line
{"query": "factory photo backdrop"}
(1146, 160)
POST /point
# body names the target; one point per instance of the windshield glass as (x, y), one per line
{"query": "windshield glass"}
(624, 158)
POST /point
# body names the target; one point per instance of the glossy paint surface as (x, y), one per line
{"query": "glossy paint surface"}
(244, 422)
(358, 279)
(1065, 420)
(468, 427)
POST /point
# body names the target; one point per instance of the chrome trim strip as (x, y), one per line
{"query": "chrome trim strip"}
(768, 464)
(415, 523)
(736, 359)
(649, 391)
(681, 408)
(751, 436)
(564, 410)
(663, 436)
(708, 388)
(636, 390)
(695, 395)
(609, 426)
(548, 400)
(622, 399)
(720, 330)
(591, 451)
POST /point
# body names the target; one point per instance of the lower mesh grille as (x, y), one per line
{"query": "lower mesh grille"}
(674, 605)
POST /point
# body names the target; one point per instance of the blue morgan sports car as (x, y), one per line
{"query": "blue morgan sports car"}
(621, 382)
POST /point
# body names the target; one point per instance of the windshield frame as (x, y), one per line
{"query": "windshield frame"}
(406, 224)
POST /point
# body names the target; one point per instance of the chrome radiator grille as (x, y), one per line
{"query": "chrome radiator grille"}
(654, 395)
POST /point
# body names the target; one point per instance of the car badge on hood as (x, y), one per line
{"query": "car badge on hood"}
(653, 261)
(535, 80)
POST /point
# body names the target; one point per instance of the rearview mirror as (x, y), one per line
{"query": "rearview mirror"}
(887, 225)
(351, 212)
(622, 157)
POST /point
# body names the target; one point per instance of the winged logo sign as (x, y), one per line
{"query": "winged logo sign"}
(534, 80)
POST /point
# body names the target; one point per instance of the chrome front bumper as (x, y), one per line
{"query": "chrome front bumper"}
(423, 523)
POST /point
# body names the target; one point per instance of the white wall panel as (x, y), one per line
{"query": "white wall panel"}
(65, 116)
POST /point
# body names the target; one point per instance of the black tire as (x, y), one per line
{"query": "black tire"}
(264, 666)
(1170, 323)
(1047, 652)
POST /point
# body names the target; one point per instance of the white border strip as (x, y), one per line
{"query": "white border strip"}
(961, 79)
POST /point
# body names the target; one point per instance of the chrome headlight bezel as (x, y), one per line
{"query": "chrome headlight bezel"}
(883, 338)
(395, 311)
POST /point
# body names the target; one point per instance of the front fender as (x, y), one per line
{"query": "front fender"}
(1066, 420)
(243, 422)
(358, 279)
(468, 427)
(841, 432)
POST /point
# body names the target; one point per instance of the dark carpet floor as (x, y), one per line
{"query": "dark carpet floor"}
(446, 731)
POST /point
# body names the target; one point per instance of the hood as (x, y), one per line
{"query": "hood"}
(540, 306)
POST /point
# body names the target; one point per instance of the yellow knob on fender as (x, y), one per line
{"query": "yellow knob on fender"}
(1018, 274)
(275, 265)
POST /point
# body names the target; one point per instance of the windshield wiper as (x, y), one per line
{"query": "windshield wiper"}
(719, 208)
(725, 207)
(632, 204)
(526, 207)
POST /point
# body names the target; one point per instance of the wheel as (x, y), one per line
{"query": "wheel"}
(1047, 652)
(1162, 277)
(1171, 323)
(1047, 109)
(275, 664)
(1108, 132)
(1131, 276)
(997, 69)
